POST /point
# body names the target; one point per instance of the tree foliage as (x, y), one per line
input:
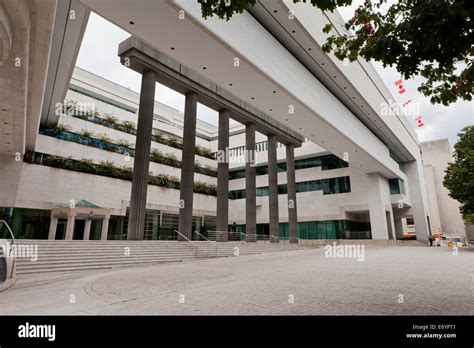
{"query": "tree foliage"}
(459, 178)
(432, 38)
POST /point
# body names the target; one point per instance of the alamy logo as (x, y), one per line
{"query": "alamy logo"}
(37, 331)
(28, 251)
(244, 157)
(345, 251)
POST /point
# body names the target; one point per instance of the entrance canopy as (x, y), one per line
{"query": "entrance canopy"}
(243, 59)
(82, 210)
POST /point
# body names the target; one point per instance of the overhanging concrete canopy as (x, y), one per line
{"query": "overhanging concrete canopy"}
(140, 57)
(66, 42)
(27, 26)
(356, 85)
(268, 77)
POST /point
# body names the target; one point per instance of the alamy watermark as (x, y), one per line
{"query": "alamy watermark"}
(243, 157)
(26, 251)
(410, 109)
(345, 251)
(28, 330)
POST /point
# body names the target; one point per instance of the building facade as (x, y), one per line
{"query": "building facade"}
(145, 170)
(86, 160)
(97, 126)
(444, 210)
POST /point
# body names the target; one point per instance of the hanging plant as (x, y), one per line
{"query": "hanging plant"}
(110, 119)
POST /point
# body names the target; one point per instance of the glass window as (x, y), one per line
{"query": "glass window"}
(402, 186)
(282, 189)
(237, 194)
(327, 162)
(312, 229)
(284, 230)
(394, 185)
(281, 167)
(238, 174)
(303, 230)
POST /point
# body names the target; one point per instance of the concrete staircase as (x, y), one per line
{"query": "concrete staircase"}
(78, 255)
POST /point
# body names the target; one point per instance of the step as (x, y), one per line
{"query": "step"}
(108, 259)
(54, 265)
(122, 251)
(76, 255)
(83, 267)
(35, 265)
(23, 262)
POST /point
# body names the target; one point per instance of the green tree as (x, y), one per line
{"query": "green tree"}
(432, 38)
(459, 178)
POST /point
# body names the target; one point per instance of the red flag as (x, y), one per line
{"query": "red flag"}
(401, 89)
(419, 121)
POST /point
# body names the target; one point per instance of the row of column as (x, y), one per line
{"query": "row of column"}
(71, 221)
(141, 167)
(251, 189)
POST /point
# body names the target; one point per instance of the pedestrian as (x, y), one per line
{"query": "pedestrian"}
(431, 239)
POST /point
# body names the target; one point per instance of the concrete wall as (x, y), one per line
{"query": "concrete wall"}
(369, 192)
(172, 119)
(32, 186)
(436, 156)
(432, 197)
(63, 148)
(381, 213)
(314, 205)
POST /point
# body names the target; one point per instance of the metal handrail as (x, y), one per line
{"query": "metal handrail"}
(229, 233)
(9, 230)
(13, 242)
(182, 235)
(261, 235)
(213, 244)
(242, 233)
(187, 239)
(205, 238)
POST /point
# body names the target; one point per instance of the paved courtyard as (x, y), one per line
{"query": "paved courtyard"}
(390, 280)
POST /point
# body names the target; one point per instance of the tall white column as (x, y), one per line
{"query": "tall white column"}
(250, 184)
(380, 208)
(223, 176)
(105, 229)
(141, 162)
(187, 167)
(273, 189)
(87, 229)
(291, 187)
(416, 185)
(71, 220)
(52, 228)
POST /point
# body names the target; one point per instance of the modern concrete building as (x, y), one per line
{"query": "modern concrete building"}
(97, 125)
(325, 154)
(444, 211)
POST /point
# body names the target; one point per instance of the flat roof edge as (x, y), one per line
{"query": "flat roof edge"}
(141, 56)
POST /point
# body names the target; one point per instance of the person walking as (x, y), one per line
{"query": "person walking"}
(431, 239)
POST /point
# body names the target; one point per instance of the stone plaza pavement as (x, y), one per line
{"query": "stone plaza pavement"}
(428, 281)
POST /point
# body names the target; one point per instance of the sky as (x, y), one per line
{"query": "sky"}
(98, 54)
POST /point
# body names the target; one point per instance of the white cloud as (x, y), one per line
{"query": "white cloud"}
(98, 54)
